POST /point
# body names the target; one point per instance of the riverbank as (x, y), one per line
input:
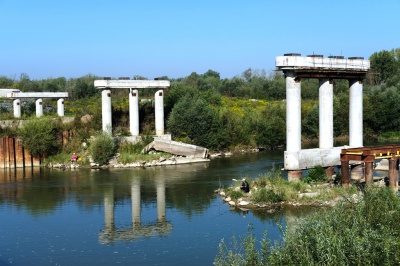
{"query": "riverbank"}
(271, 192)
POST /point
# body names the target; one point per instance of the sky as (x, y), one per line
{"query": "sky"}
(153, 38)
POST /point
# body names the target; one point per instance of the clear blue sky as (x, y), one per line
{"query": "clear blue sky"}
(152, 38)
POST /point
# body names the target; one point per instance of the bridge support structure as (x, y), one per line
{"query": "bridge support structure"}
(133, 86)
(295, 67)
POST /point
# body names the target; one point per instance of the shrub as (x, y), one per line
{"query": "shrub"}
(268, 195)
(102, 147)
(316, 175)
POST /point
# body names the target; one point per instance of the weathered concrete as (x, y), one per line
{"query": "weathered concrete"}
(129, 84)
(295, 67)
(177, 148)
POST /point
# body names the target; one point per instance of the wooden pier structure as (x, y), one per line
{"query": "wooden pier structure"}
(367, 156)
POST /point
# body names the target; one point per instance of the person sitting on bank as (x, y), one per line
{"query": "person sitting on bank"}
(74, 157)
(245, 186)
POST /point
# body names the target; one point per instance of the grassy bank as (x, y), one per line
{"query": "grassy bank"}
(363, 233)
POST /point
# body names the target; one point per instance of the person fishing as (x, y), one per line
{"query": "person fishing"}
(245, 186)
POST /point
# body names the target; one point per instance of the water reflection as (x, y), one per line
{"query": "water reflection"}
(137, 230)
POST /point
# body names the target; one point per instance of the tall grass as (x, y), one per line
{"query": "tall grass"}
(366, 233)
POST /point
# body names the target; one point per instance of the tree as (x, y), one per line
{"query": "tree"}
(39, 137)
(383, 64)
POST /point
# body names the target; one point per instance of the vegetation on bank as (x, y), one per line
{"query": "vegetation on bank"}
(363, 233)
(271, 189)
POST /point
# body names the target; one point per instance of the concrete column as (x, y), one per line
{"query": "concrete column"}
(345, 173)
(17, 108)
(161, 213)
(134, 112)
(135, 197)
(39, 107)
(325, 113)
(106, 111)
(60, 107)
(356, 114)
(293, 113)
(159, 112)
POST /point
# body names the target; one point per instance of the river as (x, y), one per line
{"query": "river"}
(165, 215)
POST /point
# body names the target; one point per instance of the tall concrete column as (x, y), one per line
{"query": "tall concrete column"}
(134, 112)
(356, 113)
(106, 111)
(135, 197)
(17, 108)
(293, 126)
(60, 107)
(159, 112)
(161, 213)
(325, 113)
(39, 107)
(293, 113)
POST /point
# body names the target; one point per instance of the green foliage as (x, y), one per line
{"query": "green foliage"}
(102, 147)
(236, 194)
(336, 236)
(268, 195)
(316, 175)
(39, 137)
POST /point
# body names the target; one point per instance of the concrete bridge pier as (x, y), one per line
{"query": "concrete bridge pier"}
(60, 107)
(159, 112)
(293, 123)
(134, 112)
(106, 111)
(356, 113)
(326, 113)
(39, 107)
(17, 108)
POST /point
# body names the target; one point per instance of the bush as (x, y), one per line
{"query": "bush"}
(102, 147)
(316, 175)
(364, 233)
(268, 195)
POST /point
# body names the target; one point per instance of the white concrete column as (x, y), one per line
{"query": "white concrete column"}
(60, 107)
(106, 111)
(39, 107)
(293, 113)
(134, 112)
(135, 197)
(325, 114)
(17, 108)
(159, 112)
(161, 213)
(356, 113)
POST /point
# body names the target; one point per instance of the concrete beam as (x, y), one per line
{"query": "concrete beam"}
(19, 95)
(309, 158)
(330, 63)
(131, 84)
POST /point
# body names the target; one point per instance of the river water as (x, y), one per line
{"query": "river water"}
(165, 215)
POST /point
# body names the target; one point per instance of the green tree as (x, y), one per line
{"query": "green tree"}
(39, 137)
(383, 64)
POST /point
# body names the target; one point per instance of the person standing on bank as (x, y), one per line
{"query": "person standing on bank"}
(74, 157)
(245, 186)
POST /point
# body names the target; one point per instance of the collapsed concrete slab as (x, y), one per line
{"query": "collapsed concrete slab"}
(177, 148)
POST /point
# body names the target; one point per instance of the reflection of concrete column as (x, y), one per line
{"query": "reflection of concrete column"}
(356, 113)
(109, 209)
(134, 112)
(17, 108)
(135, 197)
(106, 111)
(39, 107)
(325, 114)
(159, 112)
(60, 107)
(161, 214)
